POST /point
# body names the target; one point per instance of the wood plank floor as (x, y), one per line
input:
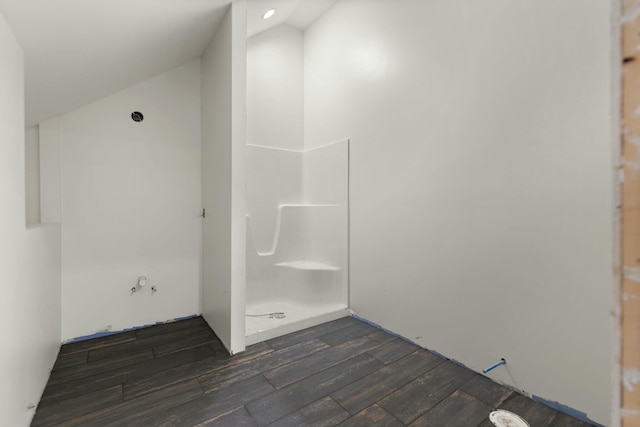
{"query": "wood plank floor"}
(344, 373)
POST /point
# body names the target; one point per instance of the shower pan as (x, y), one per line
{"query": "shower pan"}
(297, 238)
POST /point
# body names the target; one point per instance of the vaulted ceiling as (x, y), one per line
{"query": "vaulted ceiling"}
(78, 51)
(299, 14)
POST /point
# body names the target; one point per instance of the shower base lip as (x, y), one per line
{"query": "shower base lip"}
(272, 328)
(307, 265)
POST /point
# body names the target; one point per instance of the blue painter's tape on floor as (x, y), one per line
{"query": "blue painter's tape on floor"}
(107, 333)
(454, 361)
(375, 325)
(566, 409)
(554, 405)
(90, 337)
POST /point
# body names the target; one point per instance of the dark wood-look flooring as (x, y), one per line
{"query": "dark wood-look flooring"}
(344, 373)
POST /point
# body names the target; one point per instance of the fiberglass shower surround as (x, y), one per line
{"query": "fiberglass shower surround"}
(297, 238)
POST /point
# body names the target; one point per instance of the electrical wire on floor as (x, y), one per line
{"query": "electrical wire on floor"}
(274, 315)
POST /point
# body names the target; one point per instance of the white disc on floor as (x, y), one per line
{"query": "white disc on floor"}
(502, 418)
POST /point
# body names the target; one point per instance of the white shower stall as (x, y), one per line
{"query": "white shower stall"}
(297, 199)
(297, 238)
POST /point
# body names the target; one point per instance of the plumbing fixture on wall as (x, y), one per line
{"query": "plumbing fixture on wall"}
(141, 283)
(495, 365)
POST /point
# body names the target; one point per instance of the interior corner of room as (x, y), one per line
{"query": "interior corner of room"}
(447, 170)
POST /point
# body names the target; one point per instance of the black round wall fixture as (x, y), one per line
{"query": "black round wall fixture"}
(137, 116)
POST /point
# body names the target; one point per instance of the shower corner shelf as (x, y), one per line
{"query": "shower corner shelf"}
(308, 265)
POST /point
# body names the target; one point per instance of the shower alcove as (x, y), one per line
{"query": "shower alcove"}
(297, 238)
(297, 191)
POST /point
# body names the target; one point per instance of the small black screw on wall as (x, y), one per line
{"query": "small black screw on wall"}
(137, 116)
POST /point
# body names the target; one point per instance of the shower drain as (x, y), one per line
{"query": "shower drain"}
(502, 418)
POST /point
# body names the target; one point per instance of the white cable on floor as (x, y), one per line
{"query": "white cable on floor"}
(274, 315)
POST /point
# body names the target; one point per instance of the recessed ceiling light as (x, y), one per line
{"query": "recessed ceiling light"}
(268, 14)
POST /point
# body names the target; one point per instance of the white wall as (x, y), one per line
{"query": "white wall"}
(50, 171)
(481, 179)
(274, 178)
(131, 201)
(29, 260)
(298, 213)
(297, 237)
(326, 181)
(275, 88)
(223, 179)
(32, 175)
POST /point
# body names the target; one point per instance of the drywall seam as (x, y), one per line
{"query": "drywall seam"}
(276, 237)
(50, 171)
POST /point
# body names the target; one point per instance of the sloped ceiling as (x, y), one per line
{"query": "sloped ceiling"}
(299, 14)
(78, 51)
